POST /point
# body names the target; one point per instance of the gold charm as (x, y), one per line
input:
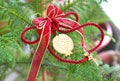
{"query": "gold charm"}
(90, 57)
(63, 44)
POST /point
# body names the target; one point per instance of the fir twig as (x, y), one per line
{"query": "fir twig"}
(15, 14)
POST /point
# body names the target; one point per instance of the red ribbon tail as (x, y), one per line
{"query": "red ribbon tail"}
(38, 56)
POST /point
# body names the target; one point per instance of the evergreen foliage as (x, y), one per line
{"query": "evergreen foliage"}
(18, 15)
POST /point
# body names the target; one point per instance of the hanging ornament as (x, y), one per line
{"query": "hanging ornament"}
(56, 21)
(63, 44)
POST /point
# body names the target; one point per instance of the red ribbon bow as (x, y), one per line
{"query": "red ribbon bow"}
(54, 21)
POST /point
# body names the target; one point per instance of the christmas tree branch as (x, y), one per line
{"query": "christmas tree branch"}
(15, 14)
(68, 4)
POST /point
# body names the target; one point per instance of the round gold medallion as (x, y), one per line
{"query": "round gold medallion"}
(63, 44)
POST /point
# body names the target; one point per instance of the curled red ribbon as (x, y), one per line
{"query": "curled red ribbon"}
(54, 21)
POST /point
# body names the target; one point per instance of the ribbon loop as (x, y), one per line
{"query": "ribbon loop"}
(53, 11)
(23, 37)
(88, 24)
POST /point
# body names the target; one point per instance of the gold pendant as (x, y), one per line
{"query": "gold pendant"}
(63, 44)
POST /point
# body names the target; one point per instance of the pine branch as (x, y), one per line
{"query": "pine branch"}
(38, 5)
(68, 4)
(10, 11)
(90, 11)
